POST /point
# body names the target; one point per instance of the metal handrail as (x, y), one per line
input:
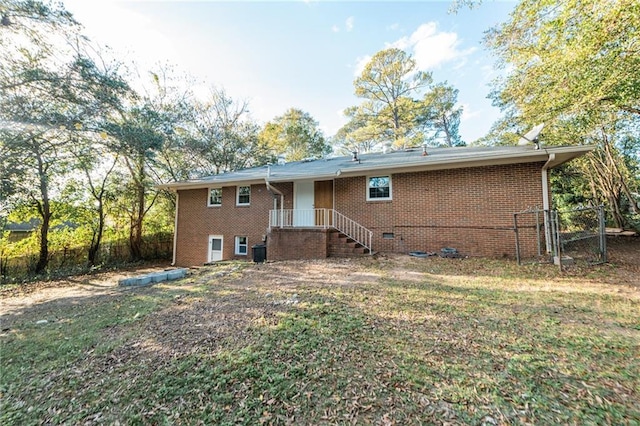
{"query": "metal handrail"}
(322, 218)
(353, 230)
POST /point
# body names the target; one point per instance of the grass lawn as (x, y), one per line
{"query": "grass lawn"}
(384, 340)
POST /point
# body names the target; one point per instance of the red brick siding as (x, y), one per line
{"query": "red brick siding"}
(470, 209)
(196, 222)
(293, 244)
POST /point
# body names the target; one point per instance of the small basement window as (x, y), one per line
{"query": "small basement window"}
(388, 236)
(379, 188)
(243, 196)
(215, 197)
(241, 246)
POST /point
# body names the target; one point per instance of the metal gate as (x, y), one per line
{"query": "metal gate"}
(563, 237)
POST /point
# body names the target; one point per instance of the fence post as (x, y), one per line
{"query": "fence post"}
(538, 232)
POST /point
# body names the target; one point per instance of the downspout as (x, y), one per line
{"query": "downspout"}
(175, 230)
(545, 200)
(545, 182)
(276, 191)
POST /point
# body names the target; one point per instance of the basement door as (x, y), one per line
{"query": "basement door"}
(303, 203)
(215, 248)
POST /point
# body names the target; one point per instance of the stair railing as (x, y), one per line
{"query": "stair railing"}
(353, 230)
(322, 218)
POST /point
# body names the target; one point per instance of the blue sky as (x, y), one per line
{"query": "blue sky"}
(302, 54)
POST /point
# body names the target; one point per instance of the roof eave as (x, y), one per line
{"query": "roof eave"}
(563, 154)
(201, 184)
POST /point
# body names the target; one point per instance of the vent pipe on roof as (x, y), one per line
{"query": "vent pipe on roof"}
(281, 160)
(355, 156)
(424, 150)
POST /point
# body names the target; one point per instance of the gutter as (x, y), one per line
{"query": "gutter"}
(175, 230)
(274, 191)
(546, 197)
(348, 169)
(545, 181)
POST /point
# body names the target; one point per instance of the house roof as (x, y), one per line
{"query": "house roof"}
(409, 160)
(29, 226)
(34, 223)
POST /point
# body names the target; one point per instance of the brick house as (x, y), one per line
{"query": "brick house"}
(401, 201)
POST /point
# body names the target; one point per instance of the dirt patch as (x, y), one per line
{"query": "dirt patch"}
(285, 342)
(623, 268)
(21, 296)
(624, 252)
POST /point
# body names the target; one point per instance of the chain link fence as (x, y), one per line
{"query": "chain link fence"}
(562, 237)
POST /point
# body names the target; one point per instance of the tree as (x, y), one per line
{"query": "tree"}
(51, 87)
(137, 133)
(442, 116)
(389, 112)
(221, 136)
(90, 158)
(569, 58)
(296, 135)
(573, 65)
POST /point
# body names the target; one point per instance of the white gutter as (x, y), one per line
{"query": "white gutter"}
(276, 191)
(175, 230)
(562, 154)
(545, 199)
(545, 182)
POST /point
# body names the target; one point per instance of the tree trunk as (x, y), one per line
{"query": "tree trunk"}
(135, 233)
(43, 257)
(97, 237)
(447, 132)
(44, 208)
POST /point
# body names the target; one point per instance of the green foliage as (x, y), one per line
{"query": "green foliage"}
(569, 59)
(388, 113)
(392, 112)
(442, 116)
(220, 136)
(573, 66)
(296, 135)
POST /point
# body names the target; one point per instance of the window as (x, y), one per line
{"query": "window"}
(379, 188)
(215, 197)
(243, 195)
(388, 236)
(241, 245)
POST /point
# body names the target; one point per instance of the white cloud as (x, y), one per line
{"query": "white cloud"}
(431, 48)
(335, 29)
(468, 113)
(361, 62)
(349, 23)
(393, 27)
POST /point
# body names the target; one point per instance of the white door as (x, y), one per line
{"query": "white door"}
(215, 248)
(303, 199)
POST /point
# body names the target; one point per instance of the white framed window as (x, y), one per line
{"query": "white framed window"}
(243, 195)
(215, 197)
(378, 188)
(241, 246)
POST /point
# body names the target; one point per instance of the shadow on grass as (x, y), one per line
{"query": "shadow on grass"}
(289, 344)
